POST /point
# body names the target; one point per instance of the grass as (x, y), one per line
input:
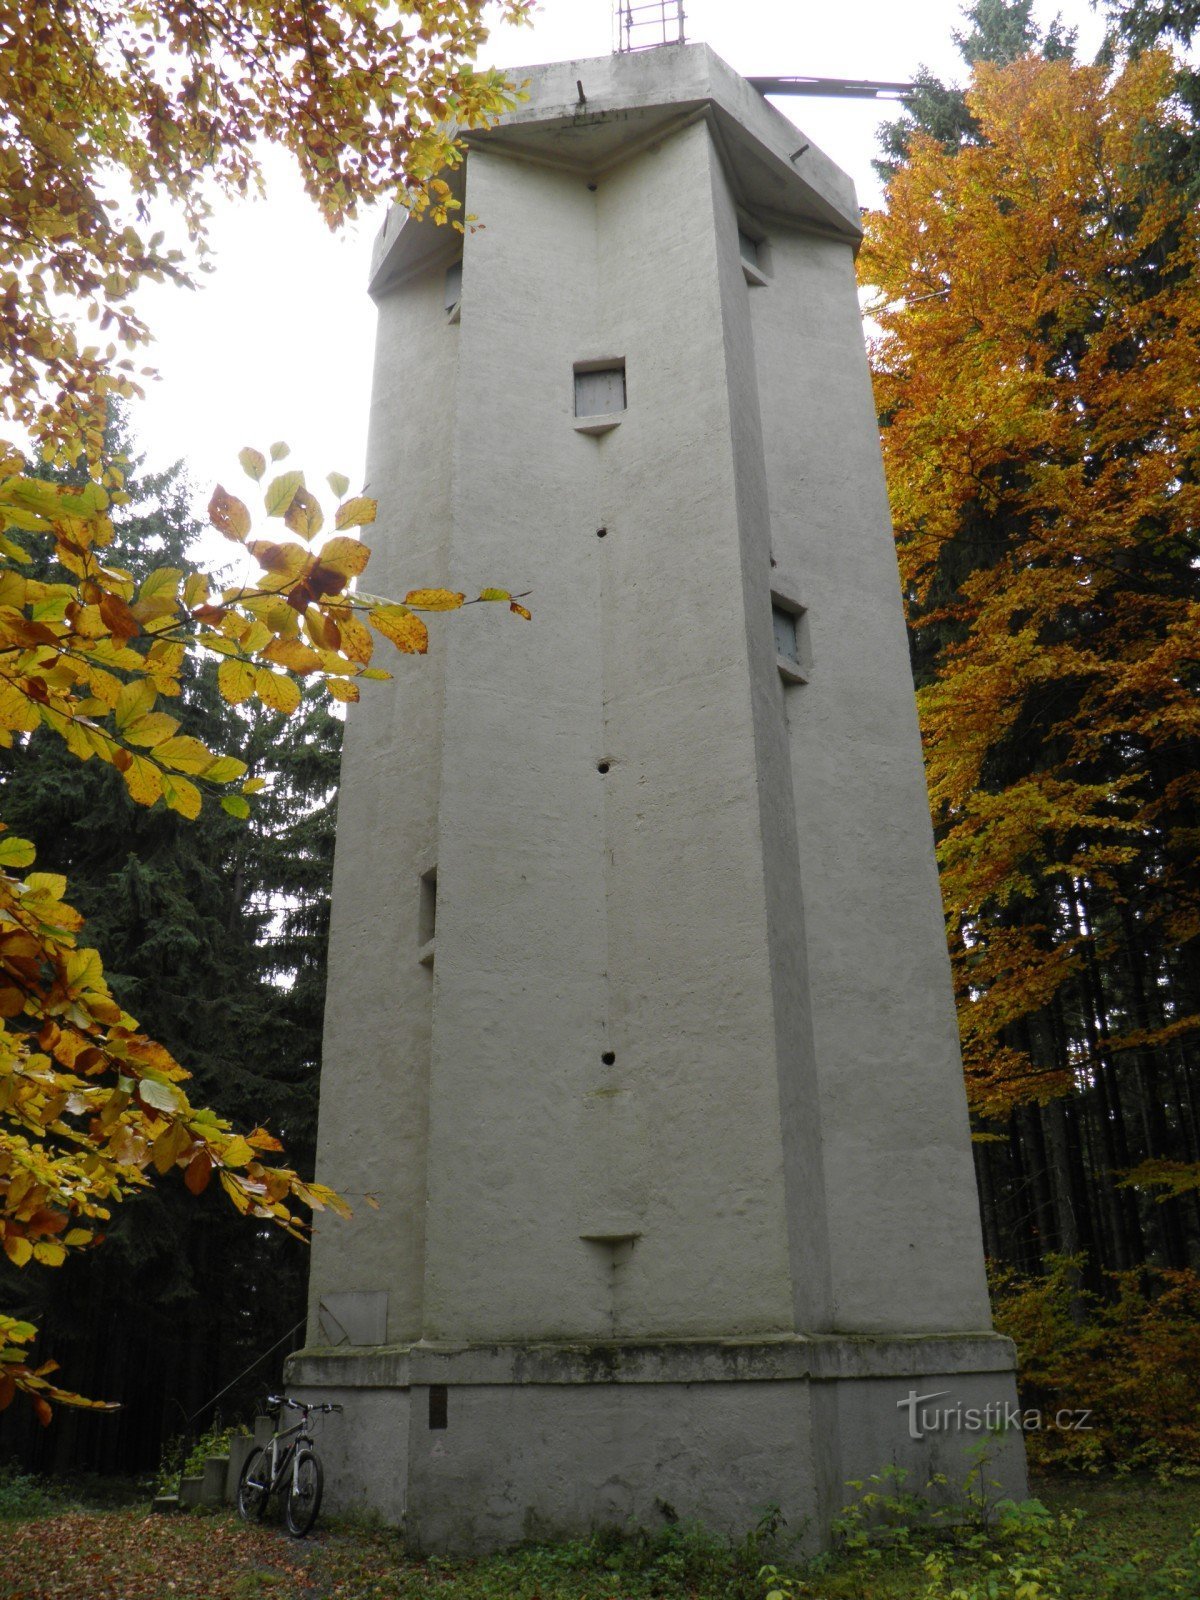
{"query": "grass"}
(1117, 1539)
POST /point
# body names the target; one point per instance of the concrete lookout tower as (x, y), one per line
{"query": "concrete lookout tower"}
(640, 1024)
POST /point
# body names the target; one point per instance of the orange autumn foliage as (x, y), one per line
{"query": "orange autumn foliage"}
(1128, 1364)
(1037, 372)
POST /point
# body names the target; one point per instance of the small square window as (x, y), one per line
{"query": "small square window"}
(748, 247)
(600, 391)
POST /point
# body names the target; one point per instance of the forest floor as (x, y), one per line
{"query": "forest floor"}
(1115, 1539)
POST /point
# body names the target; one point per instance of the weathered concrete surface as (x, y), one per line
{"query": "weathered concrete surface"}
(554, 1440)
(678, 1070)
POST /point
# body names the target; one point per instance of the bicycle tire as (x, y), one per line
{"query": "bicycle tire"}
(254, 1486)
(304, 1493)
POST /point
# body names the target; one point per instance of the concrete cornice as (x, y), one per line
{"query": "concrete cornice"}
(818, 1357)
(629, 103)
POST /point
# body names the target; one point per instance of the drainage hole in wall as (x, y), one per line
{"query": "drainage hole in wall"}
(602, 533)
(609, 1058)
(602, 766)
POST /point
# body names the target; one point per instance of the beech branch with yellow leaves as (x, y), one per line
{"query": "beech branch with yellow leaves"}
(89, 1104)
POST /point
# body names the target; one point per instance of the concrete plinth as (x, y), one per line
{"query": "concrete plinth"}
(640, 1025)
(482, 1446)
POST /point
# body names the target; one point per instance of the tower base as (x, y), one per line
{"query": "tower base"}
(474, 1447)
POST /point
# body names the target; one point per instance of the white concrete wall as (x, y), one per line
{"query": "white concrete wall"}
(582, 913)
(905, 1247)
(376, 1050)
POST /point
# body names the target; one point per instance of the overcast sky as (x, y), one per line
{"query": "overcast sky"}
(277, 345)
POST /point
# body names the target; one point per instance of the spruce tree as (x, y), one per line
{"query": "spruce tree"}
(213, 932)
(1000, 31)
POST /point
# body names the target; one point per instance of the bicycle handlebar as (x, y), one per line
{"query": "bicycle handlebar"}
(300, 1405)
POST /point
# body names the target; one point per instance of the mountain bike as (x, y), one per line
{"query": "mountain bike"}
(287, 1464)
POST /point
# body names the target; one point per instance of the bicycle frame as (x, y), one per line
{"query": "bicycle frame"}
(281, 1460)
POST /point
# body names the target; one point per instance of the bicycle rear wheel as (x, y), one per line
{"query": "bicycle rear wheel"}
(304, 1493)
(254, 1486)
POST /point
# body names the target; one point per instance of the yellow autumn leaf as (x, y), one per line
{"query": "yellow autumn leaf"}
(344, 555)
(134, 700)
(292, 654)
(53, 884)
(356, 513)
(277, 692)
(236, 680)
(151, 729)
(225, 769)
(304, 516)
(160, 583)
(181, 795)
(356, 639)
(17, 1249)
(229, 515)
(143, 781)
(184, 754)
(281, 491)
(16, 852)
(406, 631)
(434, 599)
(17, 711)
(237, 1152)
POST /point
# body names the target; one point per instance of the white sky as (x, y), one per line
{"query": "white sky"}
(277, 344)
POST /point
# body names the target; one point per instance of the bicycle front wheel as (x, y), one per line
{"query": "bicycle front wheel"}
(304, 1493)
(254, 1486)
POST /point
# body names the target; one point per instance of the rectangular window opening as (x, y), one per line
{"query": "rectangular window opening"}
(453, 289)
(749, 247)
(787, 645)
(599, 388)
(439, 1406)
(427, 907)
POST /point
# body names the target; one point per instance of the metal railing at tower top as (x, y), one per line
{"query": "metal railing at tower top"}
(648, 24)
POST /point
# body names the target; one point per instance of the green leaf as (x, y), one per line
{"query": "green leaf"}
(279, 450)
(338, 482)
(235, 805)
(16, 852)
(281, 491)
(254, 463)
(134, 700)
(224, 770)
(163, 580)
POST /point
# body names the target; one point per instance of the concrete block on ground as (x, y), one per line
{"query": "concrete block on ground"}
(212, 1480)
(240, 1447)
